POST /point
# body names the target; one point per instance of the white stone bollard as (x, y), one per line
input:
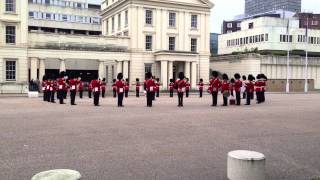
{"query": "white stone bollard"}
(57, 174)
(33, 94)
(246, 165)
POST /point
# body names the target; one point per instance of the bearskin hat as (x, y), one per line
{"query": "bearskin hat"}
(181, 75)
(250, 77)
(120, 76)
(215, 73)
(237, 76)
(149, 75)
(225, 77)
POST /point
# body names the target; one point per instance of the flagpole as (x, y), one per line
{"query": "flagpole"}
(288, 58)
(306, 60)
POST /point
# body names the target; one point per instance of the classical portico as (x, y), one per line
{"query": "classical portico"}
(183, 61)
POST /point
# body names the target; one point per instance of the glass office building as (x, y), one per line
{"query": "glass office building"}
(253, 7)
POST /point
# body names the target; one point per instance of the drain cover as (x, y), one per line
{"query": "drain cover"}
(58, 174)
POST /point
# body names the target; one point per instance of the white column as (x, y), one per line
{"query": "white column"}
(62, 65)
(187, 69)
(119, 68)
(193, 75)
(42, 69)
(33, 68)
(170, 70)
(125, 69)
(102, 70)
(164, 74)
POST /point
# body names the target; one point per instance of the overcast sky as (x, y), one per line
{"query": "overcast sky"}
(227, 9)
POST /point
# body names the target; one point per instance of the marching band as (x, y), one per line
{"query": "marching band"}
(232, 91)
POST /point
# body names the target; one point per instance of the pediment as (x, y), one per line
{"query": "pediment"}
(195, 2)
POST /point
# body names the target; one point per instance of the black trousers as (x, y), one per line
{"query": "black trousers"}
(45, 95)
(52, 97)
(60, 96)
(137, 93)
(259, 97)
(120, 99)
(126, 92)
(81, 94)
(153, 96)
(48, 96)
(114, 93)
(214, 98)
(96, 96)
(201, 92)
(171, 93)
(65, 94)
(238, 98)
(231, 93)
(158, 93)
(187, 93)
(89, 94)
(225, 101)
(180, 98)
(244, 95)
(249, 94)
(149, 99)
(103, 93)
(73, 97)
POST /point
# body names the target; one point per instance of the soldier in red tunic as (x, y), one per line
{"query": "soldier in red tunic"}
(44, 84)
(171, 87)
(225, 89)
(126, 88)
(103, 87)
(149, 86)
(120, 89)
(187, 87)
(201, 87)
(244, 79)
(61, 87)
(265, 79)
(232, 82)
(249, 85)
(138, 85)
(114, 88)
(80, 87)
(158, 87)
(96, 87)
(53, 88)
(180, 85)
(90, 89)
(73, 89)
(258, 87)
(237, 88)
(215, 84)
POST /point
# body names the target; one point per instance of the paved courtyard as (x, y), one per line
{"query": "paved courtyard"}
(160, 143)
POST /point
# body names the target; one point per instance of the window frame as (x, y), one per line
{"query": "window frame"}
(8, 36)
(148, 17)
(172, 45)
(194, 47)
(9, 9)
(8, 71)
(172, 19)
(148, 44)
(194, 21)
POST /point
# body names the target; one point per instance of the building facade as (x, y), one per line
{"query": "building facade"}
(49, 36)
(166, 37)
(309, 20)
(231, 26)
(253, 7)
(269, 34)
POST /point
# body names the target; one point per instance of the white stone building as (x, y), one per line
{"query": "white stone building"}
(269, 35)
(48, 36)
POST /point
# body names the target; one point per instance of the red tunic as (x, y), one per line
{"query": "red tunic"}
(238, 85)
(201, 86)
(53, 86)
(90, 86)
(126, 86)
(157, 88)
(73, 85)
(180, 85)
(96, 85)
(171, 86)
(215, 84)
(103, 86)
(249, 86)
(150, 85)
(188, 86)
(120, 86)
(44, 84)
(114, 87)
(225, 86)
(80, 87)
(138, 86)
(259, 85)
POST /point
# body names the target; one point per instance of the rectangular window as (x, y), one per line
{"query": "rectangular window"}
(31, 14)
(119, 21)
(262, 38)
(172, 19)
(10, 70)
(194, 21)
(48, 16)
(10, 34)
(126, 20)
(10, 5)
(147, 68)
(64, 17)
(250, 26)
(172, 43)
(148, 42)
(229, 25)
(107, 27)
(266, 37)
(193, 45)
(149, 17)
(47, 2)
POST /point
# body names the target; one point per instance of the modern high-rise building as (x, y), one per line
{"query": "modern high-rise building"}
(253, 7)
